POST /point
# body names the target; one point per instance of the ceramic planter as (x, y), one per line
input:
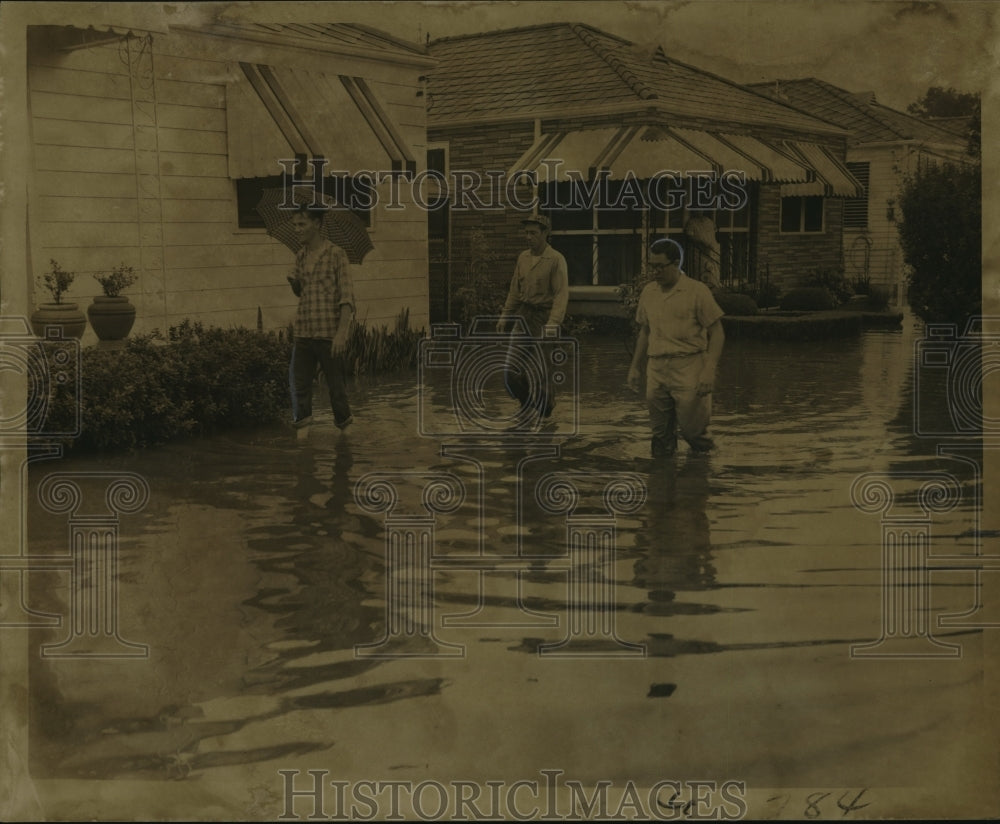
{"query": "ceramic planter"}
(111, 318)
(67, 317)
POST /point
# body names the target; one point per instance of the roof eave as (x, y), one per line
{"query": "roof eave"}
(643, 107)
(400, 58)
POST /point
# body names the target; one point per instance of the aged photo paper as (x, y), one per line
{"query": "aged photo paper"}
(227, 595)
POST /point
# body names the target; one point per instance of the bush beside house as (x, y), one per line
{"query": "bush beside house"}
(197, 381)
(941, 236)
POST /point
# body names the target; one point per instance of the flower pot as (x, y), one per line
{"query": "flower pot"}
(66, 317)
(111, 318)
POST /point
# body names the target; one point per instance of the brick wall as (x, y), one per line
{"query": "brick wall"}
(487, 148)
(791, 257)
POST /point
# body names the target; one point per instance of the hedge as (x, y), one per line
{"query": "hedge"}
(195, 382)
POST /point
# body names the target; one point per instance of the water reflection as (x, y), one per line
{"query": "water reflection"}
(253, 574)
(675, 543)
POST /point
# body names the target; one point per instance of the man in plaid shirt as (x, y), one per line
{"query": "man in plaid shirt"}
(322, 282)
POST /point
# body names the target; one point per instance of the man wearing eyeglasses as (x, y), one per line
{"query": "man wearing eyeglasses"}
(681, 338)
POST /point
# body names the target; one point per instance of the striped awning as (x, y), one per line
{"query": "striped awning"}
(645, 152)
(275, 113)
(832, 177)
(567, 155)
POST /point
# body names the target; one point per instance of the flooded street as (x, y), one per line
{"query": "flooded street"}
(712, 641)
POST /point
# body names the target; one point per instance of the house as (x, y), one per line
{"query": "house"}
(626, 143)
(152, 141)
(884, 145)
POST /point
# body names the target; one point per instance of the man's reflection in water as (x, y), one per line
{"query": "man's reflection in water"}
(341, 484)
(676, 544)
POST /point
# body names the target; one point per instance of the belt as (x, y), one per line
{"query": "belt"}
(677, 355)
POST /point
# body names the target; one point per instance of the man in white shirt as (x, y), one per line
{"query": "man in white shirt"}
(680, 334)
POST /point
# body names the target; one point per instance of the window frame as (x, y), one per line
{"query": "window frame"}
(802, 230)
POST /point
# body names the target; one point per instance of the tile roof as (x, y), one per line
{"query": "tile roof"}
(867, 120)
(569, 68)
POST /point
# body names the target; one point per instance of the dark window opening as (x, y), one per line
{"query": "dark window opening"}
(356, 195)
(801, 214)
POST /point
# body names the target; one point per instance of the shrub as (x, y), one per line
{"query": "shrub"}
(862, 285)
(808, 299)
(941, 235)
(833, 281)
(128, 398)
(734, 303)
(878, 298)
(58, 281)
(234, 377)
(121, 277)
(764, 294)
(372, 351)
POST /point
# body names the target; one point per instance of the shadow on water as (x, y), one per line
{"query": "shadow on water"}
(253, 573)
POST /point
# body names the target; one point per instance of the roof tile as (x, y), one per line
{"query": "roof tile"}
(531, 70)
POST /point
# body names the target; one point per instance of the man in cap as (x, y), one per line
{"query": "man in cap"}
(680, 332)
(539, 292)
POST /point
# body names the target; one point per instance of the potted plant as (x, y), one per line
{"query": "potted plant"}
(111, 314)
(62, 315)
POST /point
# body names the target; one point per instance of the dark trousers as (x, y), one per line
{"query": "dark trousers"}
(306, 354)
(526, 373)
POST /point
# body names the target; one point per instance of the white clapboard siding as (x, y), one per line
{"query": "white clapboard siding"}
(51, 133)
(887, 166)
(85, 184)
(68, 209)
(251, 252)
(185, 187)
(87, 194)
(81, 83)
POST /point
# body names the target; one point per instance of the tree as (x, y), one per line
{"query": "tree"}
(941, 235)
(940, 102)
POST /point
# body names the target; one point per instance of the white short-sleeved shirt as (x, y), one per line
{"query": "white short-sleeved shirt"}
(678, 319)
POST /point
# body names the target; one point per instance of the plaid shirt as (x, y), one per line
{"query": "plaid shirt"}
(326, 286)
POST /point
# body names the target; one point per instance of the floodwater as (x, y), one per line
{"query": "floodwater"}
(711, 640)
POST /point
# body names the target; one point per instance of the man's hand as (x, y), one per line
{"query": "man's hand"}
(501, 325)
(632, 381)
(706, 383)
(339, 345)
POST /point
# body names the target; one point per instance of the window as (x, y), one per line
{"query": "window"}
(602, 228)
(598, 229)
(856, 208)
(801, 214)
(341, 189)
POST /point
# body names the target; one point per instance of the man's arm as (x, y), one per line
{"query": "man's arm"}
(716, 337)
(513, 298)
(560, 292)
(344, 327)
(295, 278)
(345, 286)
(638, 357)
